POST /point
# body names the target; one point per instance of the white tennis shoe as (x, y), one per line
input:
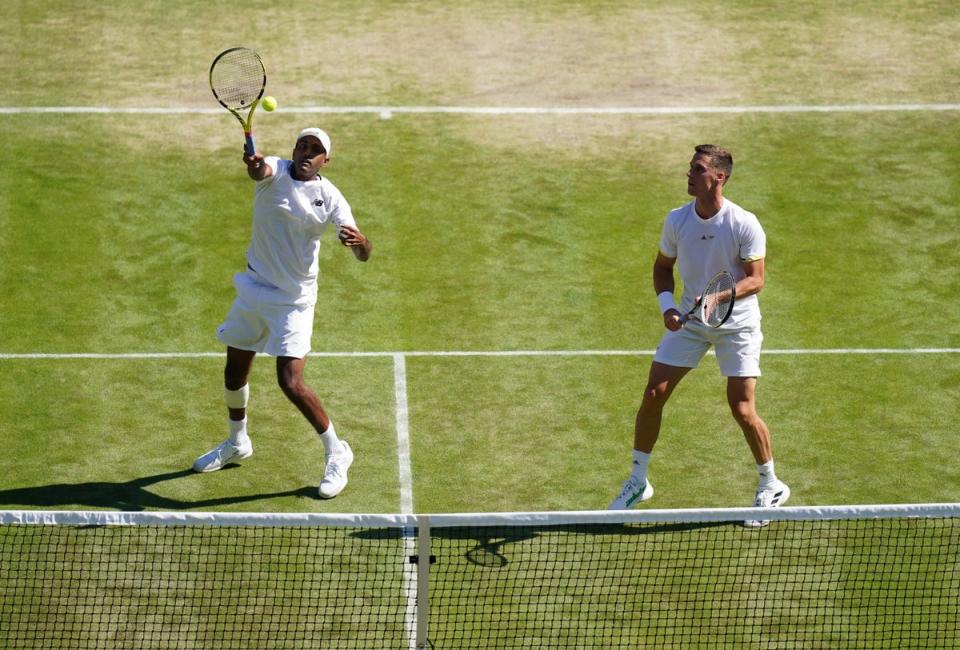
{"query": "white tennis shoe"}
(223, 454)
(632, 493)
(335, 471)
(773, 496)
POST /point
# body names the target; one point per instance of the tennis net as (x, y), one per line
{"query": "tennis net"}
(830, 577)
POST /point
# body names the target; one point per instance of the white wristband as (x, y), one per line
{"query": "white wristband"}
(665, 298)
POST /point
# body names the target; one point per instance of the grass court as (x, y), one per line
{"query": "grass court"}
(496, 232)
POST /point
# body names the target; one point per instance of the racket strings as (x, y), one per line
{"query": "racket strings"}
(237, 78)
(718, 300)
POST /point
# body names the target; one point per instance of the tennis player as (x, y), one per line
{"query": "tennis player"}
(273, 310)
(708, 235)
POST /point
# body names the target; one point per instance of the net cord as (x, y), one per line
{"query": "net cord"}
(446, 520)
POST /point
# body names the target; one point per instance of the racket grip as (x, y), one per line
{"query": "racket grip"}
(248, 144)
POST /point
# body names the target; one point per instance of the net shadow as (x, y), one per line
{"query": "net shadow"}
(491, 543)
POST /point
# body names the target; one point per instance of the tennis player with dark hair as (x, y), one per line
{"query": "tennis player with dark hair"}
(708, 235)
(273, 311)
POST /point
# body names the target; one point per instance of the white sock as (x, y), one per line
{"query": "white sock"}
(238, 431)
(331, 443)
(640, 462)
(767, 475)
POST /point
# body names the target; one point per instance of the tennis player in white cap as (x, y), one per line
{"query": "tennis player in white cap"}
(276, 294)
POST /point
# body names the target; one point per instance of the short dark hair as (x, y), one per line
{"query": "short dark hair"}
(720, 159)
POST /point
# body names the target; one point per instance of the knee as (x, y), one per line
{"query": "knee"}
(291, 385)
(655, 395)
(744, 412)
(234, 379)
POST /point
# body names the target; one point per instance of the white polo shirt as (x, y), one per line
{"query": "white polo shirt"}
(289, 218)
(704, 247)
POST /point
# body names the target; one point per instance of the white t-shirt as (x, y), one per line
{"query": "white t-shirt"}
(289, 217)
(704, 247)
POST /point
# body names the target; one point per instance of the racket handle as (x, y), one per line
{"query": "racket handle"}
(248, 144)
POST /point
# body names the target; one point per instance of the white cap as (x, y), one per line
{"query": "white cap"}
(320, 135)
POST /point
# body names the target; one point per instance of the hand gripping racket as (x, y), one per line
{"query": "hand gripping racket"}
(715, 304)
(237, 79)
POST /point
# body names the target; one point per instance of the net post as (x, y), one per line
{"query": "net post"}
(423, 581)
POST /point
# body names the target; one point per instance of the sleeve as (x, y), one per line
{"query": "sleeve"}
(668, 238)
(753, 241)
(275, 164)
(340, 212)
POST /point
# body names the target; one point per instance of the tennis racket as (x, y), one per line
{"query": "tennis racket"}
(237, 79)
(715, 304)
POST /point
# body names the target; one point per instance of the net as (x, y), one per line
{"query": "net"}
(822, 583)
(854, 577)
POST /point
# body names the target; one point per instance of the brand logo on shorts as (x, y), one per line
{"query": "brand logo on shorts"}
(706, 237)
(318, 202)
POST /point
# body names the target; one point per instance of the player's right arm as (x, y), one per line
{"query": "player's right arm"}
(257, 169)
(663, 282)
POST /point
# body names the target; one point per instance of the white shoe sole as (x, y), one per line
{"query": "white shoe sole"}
(213, 465)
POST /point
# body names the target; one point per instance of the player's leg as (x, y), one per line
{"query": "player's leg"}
(677, 354)
(290, 379)
(771, 491)
(741, 396)
(243, 332)
(738, 353)
(339, 456)
(235, 374)
(236, 393)
(661, 381)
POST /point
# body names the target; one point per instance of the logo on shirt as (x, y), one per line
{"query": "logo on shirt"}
(706, 237)
(318, 202)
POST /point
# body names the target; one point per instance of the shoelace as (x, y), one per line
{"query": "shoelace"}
(764, 498)
(632, 486)
(333, 469)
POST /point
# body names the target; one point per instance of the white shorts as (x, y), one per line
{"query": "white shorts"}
(263, 319)
(738, 350)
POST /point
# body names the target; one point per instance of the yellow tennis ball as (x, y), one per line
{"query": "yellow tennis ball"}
(268, 103)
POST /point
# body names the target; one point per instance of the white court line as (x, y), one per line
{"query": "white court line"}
(386, 112)
(410, 571)
(403, 434)
(458, 353)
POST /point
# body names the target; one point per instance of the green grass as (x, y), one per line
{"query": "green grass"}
(119, 233)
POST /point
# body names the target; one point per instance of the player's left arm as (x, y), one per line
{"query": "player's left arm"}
(357, 241)
(347, 231)
(753, 279)
(753, 249)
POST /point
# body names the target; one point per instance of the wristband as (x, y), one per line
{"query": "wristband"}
(665, 298)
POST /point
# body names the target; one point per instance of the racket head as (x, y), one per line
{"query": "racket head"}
(717, 299)
(237, 78)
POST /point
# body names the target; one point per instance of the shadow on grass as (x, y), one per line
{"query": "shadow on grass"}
(488, 546)
(127, 495)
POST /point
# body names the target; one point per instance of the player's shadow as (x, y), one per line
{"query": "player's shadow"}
(126, 495)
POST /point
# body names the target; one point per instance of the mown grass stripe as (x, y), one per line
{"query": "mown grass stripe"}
(459, 353)
(388, 111)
